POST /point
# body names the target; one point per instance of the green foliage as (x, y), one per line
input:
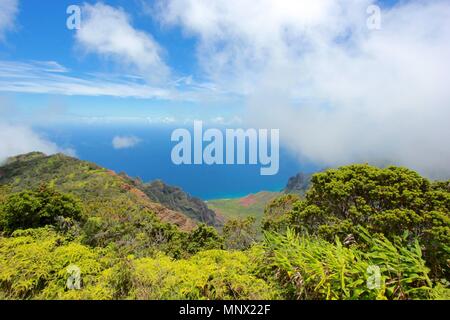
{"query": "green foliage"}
(275, 217)
(203, 238)
(32, 209)
(312, 268)
(127, 247)
(388, 201)
(116, 213)
(33, 264)
(139, 233)
(239, 234)
(212, 274)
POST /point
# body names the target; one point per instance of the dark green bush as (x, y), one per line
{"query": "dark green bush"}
(239, 234)
(393, 202)
(33, 209)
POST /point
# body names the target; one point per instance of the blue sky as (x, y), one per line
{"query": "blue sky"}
(39, 35)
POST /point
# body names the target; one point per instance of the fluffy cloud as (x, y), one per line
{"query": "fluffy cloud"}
(19, 139)
(124, 142)
(108, 31)
(8, 12)
(339, 92)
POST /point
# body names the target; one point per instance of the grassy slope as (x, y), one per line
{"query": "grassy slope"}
(250, 206)
(103, 192)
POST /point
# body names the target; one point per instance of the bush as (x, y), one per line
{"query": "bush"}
(34, 264)
(239, 234)
(275, 217)
(388, 201)
(203, 238)
(312, 268)
(212, 274)
(33, 209)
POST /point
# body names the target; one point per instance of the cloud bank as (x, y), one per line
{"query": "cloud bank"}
(339, 92)
(125, 142)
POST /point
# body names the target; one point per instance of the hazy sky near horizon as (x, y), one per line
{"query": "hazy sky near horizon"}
(340, 92)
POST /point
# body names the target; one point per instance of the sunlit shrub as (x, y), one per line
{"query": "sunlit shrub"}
(312, 268)
(34, 262)
(212, 274)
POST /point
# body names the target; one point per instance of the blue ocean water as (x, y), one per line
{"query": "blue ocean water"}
(151, 159)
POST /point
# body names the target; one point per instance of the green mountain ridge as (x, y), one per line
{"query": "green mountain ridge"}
(52, 168)
(176, 199)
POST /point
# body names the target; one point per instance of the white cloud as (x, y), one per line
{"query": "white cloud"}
(49, 77)
(339, 92)
(52, 78)
(20, 139)
(125, 142)
(8, 13)
(107, 31)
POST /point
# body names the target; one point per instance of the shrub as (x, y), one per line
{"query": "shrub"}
(34, 262)
(239, 234)
(312, 268)
(388, 201)
(212, 274)
(33, 209)
(275, 217)
(203, 238)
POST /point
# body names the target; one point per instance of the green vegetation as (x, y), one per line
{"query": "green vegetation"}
(32, 209)
(394, 202)
(72, 230)
(312, 268)
(176, 199)
(240, 234)
(249, 206)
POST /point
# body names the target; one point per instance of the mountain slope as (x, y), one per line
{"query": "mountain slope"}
(103, 192)
(176, 199)
(298, 184)
(253, 205)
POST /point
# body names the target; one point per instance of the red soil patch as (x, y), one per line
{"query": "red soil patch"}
(248, 200)
(111, 173)
(126, 187)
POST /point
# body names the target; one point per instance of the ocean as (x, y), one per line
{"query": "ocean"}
(150, 159)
